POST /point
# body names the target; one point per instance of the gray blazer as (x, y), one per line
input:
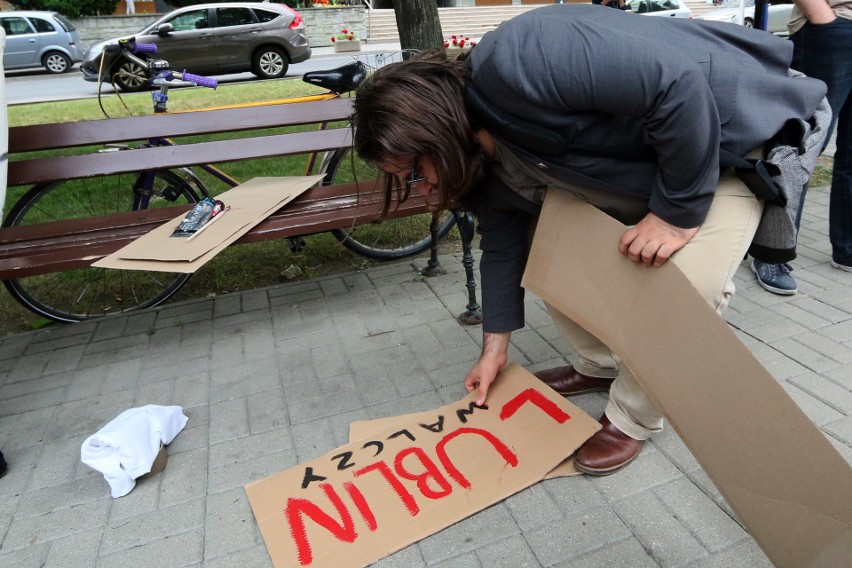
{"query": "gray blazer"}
(609, 78)
(686, 87)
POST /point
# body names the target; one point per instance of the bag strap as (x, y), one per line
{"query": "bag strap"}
(757, 174)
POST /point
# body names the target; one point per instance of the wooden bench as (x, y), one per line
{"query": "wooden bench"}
(72, 244)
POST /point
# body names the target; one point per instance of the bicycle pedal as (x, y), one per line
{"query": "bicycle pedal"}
(296, 244)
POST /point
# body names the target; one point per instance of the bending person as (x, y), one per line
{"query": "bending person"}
(683, 90)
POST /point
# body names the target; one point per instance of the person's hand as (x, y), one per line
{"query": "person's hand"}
(652, 241)
(495, 355)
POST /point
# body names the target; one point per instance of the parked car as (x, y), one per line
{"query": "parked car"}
(211, 39)
(778, 14)
(40, 39)
(665, 8)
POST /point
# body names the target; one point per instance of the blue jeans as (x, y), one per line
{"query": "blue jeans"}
(825, 52)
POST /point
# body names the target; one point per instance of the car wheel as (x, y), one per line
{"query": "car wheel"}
(748, 22)
(56, 62)
(270, 63)
(129, 77)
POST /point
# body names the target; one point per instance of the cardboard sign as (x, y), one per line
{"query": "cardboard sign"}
(372, 497)
(366, 428)
(249, 204)
(786, 482)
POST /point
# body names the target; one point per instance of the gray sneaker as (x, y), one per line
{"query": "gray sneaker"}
(775, 277)
(839, 266)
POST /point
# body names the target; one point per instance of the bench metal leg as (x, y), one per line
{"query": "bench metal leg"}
(465, 223)
(433, 267)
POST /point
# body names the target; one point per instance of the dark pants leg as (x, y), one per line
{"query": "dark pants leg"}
(823, 52)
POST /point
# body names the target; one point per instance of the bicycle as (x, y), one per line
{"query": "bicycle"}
(94, 292)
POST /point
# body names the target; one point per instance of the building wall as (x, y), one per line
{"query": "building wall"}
(322, 23)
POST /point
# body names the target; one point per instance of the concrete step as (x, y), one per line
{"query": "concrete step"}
(472, 21)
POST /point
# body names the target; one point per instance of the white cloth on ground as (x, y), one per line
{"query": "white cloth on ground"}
(126, 447)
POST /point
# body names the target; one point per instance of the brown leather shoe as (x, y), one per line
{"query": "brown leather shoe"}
(567, 382)
(607, 451)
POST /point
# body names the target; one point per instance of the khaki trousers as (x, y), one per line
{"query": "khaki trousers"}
(709, 261)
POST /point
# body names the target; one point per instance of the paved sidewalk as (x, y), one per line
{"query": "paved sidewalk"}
(271, 378)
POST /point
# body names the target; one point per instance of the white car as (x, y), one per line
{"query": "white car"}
(778, 14)
(665, 8)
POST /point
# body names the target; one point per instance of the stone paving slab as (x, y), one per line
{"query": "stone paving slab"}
(272, 378)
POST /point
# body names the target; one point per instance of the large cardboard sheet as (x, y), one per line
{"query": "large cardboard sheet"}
(372, 497)
(249, 204)
(785, 481)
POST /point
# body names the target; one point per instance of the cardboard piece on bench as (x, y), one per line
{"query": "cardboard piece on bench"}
(379, 494)
(786, 482)
(365, 428)
(250, 203)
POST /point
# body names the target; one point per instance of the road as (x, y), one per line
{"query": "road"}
(32, 86)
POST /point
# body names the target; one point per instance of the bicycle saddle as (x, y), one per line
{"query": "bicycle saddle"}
(340, 79)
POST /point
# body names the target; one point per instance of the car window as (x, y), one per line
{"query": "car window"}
(16, 26)
(661, 5)
(265, 15)
(193, 20)
(42, 26)
(233, 17)
(64, 22)
(639, 6)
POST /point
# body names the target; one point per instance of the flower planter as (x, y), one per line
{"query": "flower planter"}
(453, 52)
(347, 45)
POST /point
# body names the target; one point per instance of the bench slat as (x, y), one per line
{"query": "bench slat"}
(40, 170)
(67, 245)
(90, 132)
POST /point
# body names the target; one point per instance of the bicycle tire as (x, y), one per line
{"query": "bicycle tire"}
(87, 293)
(392, 239)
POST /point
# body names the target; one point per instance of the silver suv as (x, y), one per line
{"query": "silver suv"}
(211, 39)
(40, 39)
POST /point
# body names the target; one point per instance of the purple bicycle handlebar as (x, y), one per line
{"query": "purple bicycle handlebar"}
(132, 47)
(144, 48)
(200, 80)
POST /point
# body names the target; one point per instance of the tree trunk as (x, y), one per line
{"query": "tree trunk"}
(418, 24)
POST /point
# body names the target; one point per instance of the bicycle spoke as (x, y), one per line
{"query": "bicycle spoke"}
(91, 292)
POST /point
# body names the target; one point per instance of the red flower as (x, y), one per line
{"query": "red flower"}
(333, 39)
(459, 41)
(351, 37)
(344, 32)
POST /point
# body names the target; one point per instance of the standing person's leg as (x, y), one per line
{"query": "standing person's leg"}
(840, 203)
(822, 52)
(709, 261)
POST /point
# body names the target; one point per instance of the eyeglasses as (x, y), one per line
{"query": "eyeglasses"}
(414, 178)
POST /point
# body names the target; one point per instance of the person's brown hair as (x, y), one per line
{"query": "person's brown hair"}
(415, 108)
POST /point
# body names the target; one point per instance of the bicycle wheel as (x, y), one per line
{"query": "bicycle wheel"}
(391, 239)
(92, 292)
